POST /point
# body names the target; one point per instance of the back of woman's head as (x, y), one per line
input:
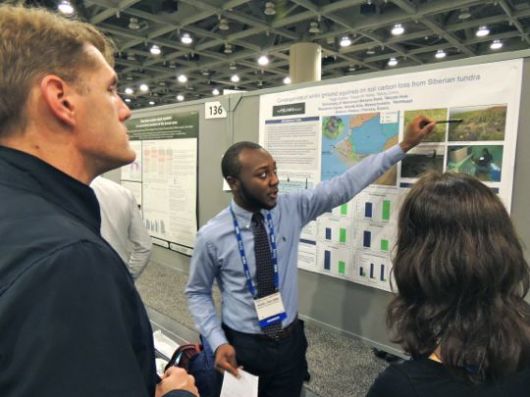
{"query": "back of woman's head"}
(461, 278)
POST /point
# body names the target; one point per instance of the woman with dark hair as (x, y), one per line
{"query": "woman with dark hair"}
(461, 279)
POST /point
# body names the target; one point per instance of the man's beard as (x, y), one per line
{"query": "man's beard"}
(252, 200)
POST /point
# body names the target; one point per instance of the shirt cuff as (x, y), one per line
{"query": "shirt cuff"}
(396, 153)
(216, 339)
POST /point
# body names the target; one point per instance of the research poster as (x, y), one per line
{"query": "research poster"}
(167, 172)
(316, 133)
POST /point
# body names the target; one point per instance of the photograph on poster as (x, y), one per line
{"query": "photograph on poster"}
(479, 123)
(438, 134)
(421, 159)
(482, 161)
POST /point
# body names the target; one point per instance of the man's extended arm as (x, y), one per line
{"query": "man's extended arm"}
(340, 189)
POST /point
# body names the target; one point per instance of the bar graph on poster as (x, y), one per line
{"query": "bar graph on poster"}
(316, 133)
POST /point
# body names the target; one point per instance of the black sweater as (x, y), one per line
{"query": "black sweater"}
(71, 320)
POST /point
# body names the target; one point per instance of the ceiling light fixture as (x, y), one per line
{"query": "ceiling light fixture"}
(313, 27)
(66, 8)
(482, 31)
(234, 78)
(269, 8)
(392, 62)
(186, 39)
(223, 24)
(398, 29)
(496, 44)
(345, 41)
(370, 51)
(440, 54)
(263, 60)
(128, 100)
(134, 24)
(352, 68)
(129, 91)
(228, 48)
(151, 103)
(144, 87)
(180, 97)
(215, 92)
(464, 14)
(155, 50)
(287, 80)
(182, 78)
(232, 66)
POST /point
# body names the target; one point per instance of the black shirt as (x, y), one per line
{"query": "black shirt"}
(71, 320)
(427, 378)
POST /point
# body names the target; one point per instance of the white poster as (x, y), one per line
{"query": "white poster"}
(169, 185)
(316, 133)
(166, 176)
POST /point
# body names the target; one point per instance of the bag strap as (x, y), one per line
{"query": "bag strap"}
(176, 358)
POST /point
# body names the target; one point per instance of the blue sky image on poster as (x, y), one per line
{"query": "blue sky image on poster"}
(347, 139)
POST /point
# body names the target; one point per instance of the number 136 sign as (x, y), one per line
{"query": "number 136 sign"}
(214, 110)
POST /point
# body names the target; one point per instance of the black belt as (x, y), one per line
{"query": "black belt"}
(284, 333)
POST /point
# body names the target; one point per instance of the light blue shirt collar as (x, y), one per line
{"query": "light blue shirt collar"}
(244, 217)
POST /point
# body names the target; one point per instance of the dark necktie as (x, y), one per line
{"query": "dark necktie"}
(264, 267)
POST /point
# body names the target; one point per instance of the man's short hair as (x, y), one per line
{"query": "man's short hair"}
(230, 165)
(35, 42)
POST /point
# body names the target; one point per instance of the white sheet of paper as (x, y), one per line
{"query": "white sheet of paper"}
(245, 386)
(164, 344)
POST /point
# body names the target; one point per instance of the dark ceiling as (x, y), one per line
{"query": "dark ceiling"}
(229, 36)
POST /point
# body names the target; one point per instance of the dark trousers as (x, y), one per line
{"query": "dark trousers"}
(281, 365)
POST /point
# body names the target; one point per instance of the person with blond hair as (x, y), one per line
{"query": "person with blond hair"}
(71, 320)
(461, 279)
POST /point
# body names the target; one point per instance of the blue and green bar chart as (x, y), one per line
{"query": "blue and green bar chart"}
(373, 211)
(372, 270)
(336, 260)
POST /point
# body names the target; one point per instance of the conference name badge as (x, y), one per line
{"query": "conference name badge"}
(270, 309)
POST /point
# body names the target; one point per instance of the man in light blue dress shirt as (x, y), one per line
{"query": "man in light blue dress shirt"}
(238, 340)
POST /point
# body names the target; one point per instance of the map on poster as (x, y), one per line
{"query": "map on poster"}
(317, 133)
(346, 140)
